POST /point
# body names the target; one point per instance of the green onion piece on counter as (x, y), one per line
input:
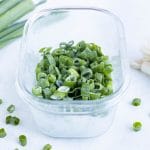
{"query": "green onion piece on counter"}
(11, 29)
(73, 72)
(23, 140)
(12, 120)
(81, 45)
(2, 133)
(1, 101)
(51, 78)
(136, 102)
(137, 126)
(70, 81)
(43, 83)
(60, 93)
(11, 108)
(47, 147)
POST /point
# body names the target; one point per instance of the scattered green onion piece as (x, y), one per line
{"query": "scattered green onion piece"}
(81, 45)
(11, 108)
(136, 102)
(2, 133)
(94, 96)
(12, 120)
(85, 91)
(72, 71)
(137, 126)
(23, 140)
(47, 147)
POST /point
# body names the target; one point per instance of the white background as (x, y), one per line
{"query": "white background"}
(135, 15)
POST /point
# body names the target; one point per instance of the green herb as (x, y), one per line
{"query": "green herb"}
(23, 140)
(18, 11)
(11, 108)
(1, 101)
(12, 120)
(137, 126)
(2, 133)
(10, 12)
(47, 147)
(78, 71)
(136, 102)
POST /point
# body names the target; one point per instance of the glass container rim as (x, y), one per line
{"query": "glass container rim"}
(22, 91)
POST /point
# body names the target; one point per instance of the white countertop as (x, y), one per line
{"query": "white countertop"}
(135, 15)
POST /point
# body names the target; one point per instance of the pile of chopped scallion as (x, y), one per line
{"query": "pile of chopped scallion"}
(74, 71)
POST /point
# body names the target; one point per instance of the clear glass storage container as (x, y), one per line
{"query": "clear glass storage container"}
(49, 27)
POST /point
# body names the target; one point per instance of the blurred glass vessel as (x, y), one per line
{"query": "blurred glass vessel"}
(49, 27)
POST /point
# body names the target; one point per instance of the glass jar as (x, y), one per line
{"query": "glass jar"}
(49, 27)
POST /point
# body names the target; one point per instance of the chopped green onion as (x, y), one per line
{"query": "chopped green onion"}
(137, 126)
(15, 13)
(136, 102)
(12, 120)
(23, 140)
(72, 71)
(47, 147)
(11, 108)
(2, 133)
